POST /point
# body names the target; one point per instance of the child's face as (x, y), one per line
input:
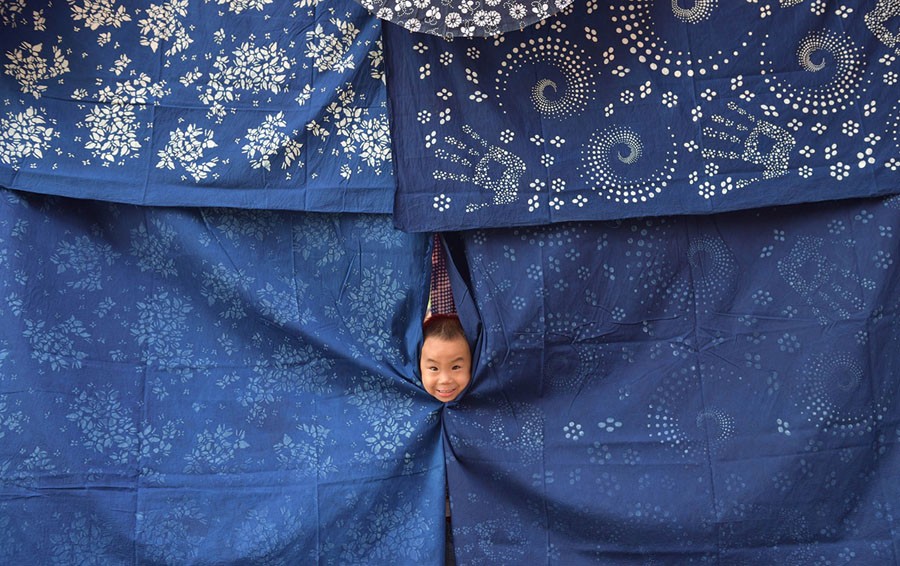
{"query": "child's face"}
(446, 367)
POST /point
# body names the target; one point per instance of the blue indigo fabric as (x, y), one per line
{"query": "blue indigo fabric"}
(683, 390)
(213, 386)
(243, 103)
(636, 108)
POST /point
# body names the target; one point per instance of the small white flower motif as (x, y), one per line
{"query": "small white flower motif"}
(850, 128)
(444, 116)
(795, 124)
(547, 160)
(872, 139)
(747, 95)
(890, 78)
(506, 136)
(557, 141)
(420, 48)
(558, 25)
(691, 146)
(471, 76)
(708, 94)
(557, 185)
(444, 94)
(424, 116)
(627, 97)
(537, 185)
(478, 97)
(693, 177)
(818, 7)
(737, 82)
(840, 171)
(608, 110)
(446, 58)
(609, 425)
(556, 203)
(645, 89)
(441, 202)
(517, 11)
(831, 151)
(473, 53)
(783, 427)
(573, 431)
(424, 71)
(865, 158)
(870, 108)
(843, 11)
(430, 139)
(706, 189)
(887, 59)
(533, 203)
(696, 113)
(609, 56)
(882, 259)
(579, 201)
(621, 71)
(765, 11)
(805, 171)
(591, 34)
(670, 99)
(536, 140)
(769, 110)
(807, 151)
(893, 164)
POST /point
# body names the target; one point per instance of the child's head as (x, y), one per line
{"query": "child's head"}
(446, 362)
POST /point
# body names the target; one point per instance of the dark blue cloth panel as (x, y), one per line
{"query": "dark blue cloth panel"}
(683, 390)
(240, 103)
(213, 386)
(637, 108)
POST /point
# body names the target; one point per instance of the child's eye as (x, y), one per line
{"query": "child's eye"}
(457, 367)
(432, 368)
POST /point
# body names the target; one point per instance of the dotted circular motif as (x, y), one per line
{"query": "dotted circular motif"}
(835, 396)
(611, 148)
(634, 23)
(575, 332)
(671, 421)
(713, 266)
(700, 11)
(550, 99)
(838, 59)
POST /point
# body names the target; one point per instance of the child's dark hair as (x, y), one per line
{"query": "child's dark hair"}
(443, 326)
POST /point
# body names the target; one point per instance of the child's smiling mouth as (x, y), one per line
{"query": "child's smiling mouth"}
(447, 392)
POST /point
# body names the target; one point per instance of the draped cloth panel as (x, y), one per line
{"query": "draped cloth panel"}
(213, 386)
(633, 109)
(717, 389)
(241, 103)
